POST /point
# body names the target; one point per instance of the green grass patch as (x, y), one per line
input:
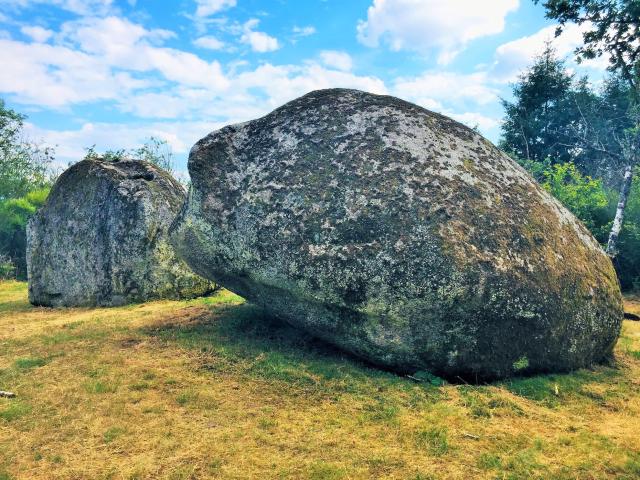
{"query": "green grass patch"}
(488, 461)
(29, 363)
(14, 410)
(100, 387)
(186, 397)
(112, 433)
(326, 471)
(433, 439)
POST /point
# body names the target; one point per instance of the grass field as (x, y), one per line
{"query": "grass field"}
(210, 389)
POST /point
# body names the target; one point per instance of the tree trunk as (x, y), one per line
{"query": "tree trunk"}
(619, 218)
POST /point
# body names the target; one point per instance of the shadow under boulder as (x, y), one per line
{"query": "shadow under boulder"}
(101, 238)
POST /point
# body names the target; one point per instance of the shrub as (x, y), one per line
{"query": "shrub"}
(14, 215)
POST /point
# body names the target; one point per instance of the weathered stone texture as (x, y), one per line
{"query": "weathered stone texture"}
(101, 238)
(399, 235)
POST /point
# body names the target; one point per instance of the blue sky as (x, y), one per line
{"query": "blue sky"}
(112, 73)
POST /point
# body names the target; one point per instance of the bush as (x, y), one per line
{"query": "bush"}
(585, 197)
(14, 215)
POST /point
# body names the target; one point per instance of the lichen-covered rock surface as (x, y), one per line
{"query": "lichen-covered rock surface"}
(399, 235)
(101, 238)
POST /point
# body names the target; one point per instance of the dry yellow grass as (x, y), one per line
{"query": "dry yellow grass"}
(210, 389)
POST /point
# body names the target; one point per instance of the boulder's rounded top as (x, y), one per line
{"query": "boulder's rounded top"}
(119, 169)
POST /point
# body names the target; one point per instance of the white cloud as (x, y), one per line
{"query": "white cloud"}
(259, 41)
(56, 76)
(100, 59)
(433, 89)
(432, 25)
(36, 33)
(335, 59)
(209, 42)
(513, 57)
(206, 8)
(282, 83)
(113, 59)
(79, 7)
(474, 119)
(119, 43)
(304, 31)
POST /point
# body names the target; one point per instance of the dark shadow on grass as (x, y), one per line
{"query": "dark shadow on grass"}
(15, 306)
(244, 340)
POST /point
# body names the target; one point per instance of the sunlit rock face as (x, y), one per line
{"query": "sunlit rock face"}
(101, 238)
(399, 235)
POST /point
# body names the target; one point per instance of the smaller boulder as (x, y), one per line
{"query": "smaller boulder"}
(101, 238)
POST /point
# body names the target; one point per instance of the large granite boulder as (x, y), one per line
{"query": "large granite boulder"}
(101, 238)
(399, 235)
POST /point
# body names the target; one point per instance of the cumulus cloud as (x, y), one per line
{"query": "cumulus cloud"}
(513, 57)
(433, 88)
(208, 42)
(178, 96)
(206, 8)
(37, 34)
(258, 41)
(445, 27)
(57, 76)
(335, 59)
(99, 59)
(277, 84)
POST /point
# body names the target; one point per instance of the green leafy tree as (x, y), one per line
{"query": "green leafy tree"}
(627, 261)
(534, 121)
(24, 165)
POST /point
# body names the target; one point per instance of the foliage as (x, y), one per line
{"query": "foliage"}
(556, 118)
(613, 28)
(14, 215)
(154, 151)
(24, 165)
(532, 121)
(584, 196)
